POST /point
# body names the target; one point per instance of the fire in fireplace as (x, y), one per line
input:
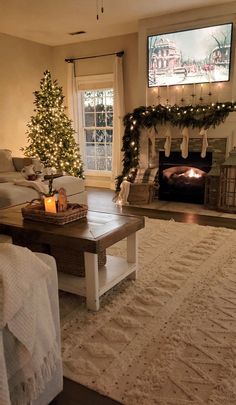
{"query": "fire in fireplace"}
(183, 179)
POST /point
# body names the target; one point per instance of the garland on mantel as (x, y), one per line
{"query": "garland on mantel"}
(191, 116)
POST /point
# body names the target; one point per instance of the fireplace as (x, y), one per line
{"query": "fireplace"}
(183, 179)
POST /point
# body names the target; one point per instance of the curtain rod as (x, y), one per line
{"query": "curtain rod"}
(119, 54)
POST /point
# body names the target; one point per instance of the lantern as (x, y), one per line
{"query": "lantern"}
(227, 189)
(212, 183)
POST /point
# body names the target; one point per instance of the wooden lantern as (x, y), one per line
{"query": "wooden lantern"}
(227, 189)
(212, 184)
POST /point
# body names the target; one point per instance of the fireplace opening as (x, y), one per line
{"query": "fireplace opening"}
(183, 179)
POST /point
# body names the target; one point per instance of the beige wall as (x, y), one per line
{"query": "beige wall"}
(23, 63)
(195, 18)
(126, 43)
(22, 66)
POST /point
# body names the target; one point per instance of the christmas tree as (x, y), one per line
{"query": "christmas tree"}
(50, 134)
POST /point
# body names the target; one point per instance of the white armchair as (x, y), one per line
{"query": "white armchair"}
(30, 356)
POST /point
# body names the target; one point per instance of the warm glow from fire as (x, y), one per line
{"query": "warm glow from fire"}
(191, 173)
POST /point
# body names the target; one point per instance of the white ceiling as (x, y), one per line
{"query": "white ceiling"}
(50, 21)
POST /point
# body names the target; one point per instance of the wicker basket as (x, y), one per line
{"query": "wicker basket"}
(72, 261)
(36, 212)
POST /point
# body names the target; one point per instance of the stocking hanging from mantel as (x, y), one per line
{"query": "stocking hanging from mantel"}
(203, 132)
(152, 134)
(184, 144)
(167, 145)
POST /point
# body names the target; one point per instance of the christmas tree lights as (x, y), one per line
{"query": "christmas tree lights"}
(50, 134)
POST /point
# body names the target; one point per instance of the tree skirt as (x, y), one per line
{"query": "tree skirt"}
(168, 338)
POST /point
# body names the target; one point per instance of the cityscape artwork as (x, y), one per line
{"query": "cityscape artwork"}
(193, 56)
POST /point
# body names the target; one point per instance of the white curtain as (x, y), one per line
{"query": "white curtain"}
(72, 100)
(118, 119)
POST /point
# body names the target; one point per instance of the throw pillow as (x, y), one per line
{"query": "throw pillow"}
(6, 164)
(146, 175)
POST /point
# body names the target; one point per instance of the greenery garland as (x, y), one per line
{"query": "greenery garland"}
(191, 116)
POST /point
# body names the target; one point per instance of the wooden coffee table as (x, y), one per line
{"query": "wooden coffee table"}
(82, 239)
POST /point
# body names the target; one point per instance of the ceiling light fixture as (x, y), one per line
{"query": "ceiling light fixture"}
(100, 7)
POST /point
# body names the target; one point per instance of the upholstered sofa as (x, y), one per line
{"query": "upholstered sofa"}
(13, 194)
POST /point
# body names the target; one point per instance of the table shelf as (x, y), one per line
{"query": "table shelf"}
(115, 270)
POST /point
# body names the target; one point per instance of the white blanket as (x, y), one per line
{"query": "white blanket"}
(122, 198)
(28, 349)
(36, 185)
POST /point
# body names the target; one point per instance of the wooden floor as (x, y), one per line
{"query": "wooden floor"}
(101, 200)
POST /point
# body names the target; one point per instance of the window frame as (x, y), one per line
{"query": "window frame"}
(93, 83)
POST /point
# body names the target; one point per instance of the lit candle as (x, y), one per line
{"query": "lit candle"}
(50, 204)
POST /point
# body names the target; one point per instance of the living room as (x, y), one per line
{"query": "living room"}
(35, 38)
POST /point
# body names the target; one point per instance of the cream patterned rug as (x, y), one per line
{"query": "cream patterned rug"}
(168, 338)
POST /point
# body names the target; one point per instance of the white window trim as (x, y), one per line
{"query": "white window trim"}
(82, 81)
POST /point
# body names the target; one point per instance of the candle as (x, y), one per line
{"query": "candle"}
(182, 91)
(167, 93)
(50, 204)
(194, 89)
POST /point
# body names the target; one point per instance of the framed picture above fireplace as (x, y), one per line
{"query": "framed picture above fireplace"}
(201, 55)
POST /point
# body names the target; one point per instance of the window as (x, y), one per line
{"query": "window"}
(97, 130)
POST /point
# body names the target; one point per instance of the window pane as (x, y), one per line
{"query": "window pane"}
(109, 119)
(109, 107)
(109, 165)
(101, 164)
(88, 101)
(89, 120)
(100, 135)
(89, 135)
(109, 93)
(109, 150)
(100, 150)
(98, 131)
(91, 164)
(89, 108)
(90, 149)
(109, 133)
(100, 120)
(100, 107)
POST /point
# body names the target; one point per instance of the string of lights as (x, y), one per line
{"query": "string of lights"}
(191, 116)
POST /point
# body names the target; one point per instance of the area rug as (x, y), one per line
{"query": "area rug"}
(168, 338)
